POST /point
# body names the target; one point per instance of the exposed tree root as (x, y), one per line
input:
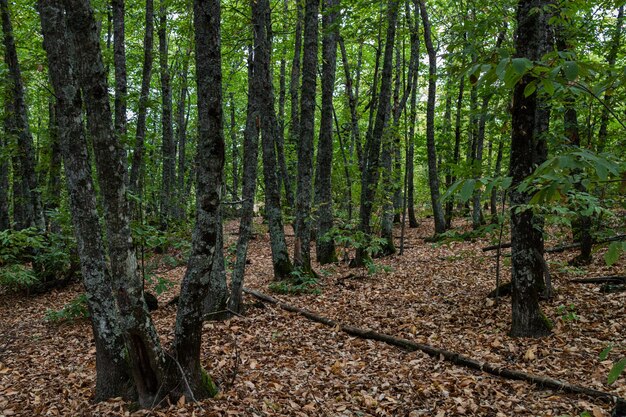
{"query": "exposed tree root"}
(455, 358)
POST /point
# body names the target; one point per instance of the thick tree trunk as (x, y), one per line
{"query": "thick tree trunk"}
(433, 176)
(325, 246)
(28, 202)
(369, 180)
(215, 303)
(168, 151)
(144, 96)
(112, 376)
(210, 165)
(149, 364)
(119, 59)
(250, 162)
(302, 245)
(269, 128)
(527, 265)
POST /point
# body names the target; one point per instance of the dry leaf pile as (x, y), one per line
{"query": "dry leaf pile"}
(274, 363)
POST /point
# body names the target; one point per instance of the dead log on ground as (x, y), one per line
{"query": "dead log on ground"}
(561, 248)
(495, 247)
(617, 279)
(453, 357)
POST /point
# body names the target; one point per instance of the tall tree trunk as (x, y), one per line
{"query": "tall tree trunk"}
(150, 366)
(168, 149)
(302, 245)
(144, 96)
(369, 179)
(119, 59)
(433, 176)
(197, 282)
(5, 221)
(234, 151)
(53, 188)
(527, 265)
(283, 179)
(112, 376)
(493, 201)
(269, 128)
(352, 103)
(456, 154)
(608, 94)
(182, 118)
(250, 162)
(294, 89)
(325, 245)
(25, 176)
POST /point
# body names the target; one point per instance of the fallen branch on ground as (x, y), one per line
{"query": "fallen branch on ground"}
(561, 248)
(617, 279)
(453, 357)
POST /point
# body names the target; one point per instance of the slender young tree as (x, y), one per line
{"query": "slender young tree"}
(527, 266)
(369, 179)
(302, 249)
(433, 176)
(5, 221)
(144, 96)
(27, 209)
(119, 62)
(269, 128)
(182, 119)
(168, 150)
(325, 246)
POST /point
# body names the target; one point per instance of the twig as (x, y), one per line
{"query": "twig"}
(236, 368)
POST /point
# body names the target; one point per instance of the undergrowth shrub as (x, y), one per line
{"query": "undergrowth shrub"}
(76, 309)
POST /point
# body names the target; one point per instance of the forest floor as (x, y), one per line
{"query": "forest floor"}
(275, 363)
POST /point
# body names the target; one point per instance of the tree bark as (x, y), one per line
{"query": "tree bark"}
(369, 180)
(433, 176)
(527, 268)
(210, 165)
(149, 364)
(325, 245)
(5, 221)
(119, 59)
(250, 161)
(28, 202)
(608, 94)
(112, 377)
(144, 96)
(302, 245)
(269, 128)
(167, 147)
(182, 118)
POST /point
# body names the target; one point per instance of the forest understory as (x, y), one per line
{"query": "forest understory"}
(271, 362)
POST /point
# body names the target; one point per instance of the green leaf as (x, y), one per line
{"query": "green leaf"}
(616, 371)
(605, 352)
(548, 86)
(521, 65)
(571, 70)
(467, 190)
(531, 87)
(612, 255)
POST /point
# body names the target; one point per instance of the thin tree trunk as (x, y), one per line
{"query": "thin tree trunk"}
(302, 245)
(53, 188)
(283, 179)
(168, 149)
(369, 178)
(144, 96)
(112, 376)
(294, 89)
(433, 176)
(234, 152)
(25, 176)
(608, 94)
(527, 266)
(269, 128)
(496, 172)
(5, 221)
(457, 150)
(182, 118)
(119, 59)
(325, 245)
(352, 103)
(250, 162)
